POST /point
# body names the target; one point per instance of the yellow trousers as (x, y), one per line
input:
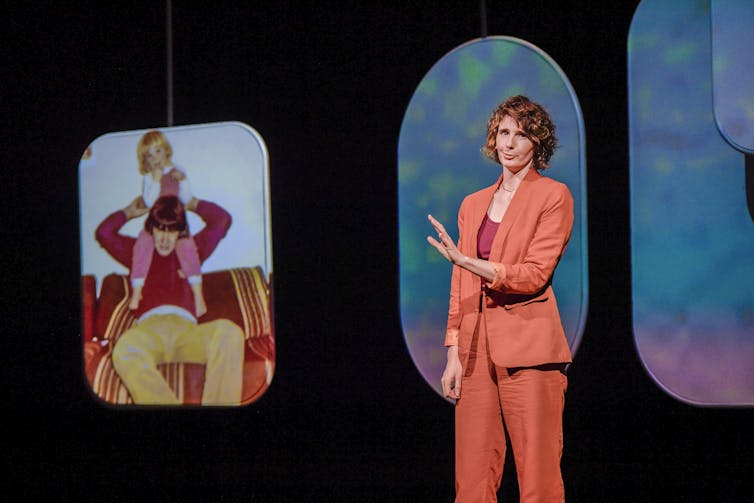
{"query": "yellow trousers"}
(164, 338)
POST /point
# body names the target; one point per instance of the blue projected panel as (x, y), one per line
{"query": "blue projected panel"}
(733, 71)
(692, 234)
(439, 162)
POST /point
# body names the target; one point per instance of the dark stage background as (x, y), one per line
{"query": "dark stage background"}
(347, 418)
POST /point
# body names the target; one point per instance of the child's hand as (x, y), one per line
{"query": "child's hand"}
(178, 175)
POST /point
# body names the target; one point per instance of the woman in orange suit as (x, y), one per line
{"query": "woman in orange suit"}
(507, 352)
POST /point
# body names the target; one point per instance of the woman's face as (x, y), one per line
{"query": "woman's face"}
(157, 156)
(514, 149)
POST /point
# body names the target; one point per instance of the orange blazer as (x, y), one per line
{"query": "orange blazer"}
(519, 311)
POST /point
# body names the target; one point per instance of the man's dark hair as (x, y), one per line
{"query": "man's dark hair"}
(167, 214)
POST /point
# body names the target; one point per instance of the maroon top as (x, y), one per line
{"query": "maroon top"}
(484, 241)
(485, 237)
(164, 285)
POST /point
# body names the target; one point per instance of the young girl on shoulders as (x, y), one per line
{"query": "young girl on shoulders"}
(162, 178)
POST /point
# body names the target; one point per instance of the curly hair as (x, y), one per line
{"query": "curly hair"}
(167, 214)
(150, 139)
(533, 120)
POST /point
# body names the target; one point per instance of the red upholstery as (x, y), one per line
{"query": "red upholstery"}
(239, 295)
(88, 306)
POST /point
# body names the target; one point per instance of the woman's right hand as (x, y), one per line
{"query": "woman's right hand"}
(451, 378)
(444, 244)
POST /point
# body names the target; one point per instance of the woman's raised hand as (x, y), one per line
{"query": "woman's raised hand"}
(444, 244)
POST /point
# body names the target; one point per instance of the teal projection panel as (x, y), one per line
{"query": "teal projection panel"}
(733, 71)
(692, 234)
(439, 162)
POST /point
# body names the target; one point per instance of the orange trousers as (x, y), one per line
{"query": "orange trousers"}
(526, 401)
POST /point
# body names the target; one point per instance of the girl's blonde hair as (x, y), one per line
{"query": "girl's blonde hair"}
(148, 140)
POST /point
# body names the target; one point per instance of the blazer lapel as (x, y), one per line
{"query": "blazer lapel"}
(515, 208)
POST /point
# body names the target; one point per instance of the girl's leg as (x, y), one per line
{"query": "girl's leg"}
(188, 256)
(142, 259)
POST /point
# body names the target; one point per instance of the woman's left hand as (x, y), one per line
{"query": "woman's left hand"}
(444, 244)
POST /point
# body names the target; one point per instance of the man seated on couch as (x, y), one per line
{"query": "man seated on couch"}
(167, 329)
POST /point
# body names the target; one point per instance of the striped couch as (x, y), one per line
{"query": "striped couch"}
(240, 295)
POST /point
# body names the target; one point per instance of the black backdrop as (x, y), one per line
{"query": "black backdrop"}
(347, 417)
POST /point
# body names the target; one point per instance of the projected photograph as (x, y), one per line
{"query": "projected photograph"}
(176, 266)
(440, 162)
(692, 233)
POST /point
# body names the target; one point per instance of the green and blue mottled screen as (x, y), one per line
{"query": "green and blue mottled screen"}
(440, 162)
(691, 105)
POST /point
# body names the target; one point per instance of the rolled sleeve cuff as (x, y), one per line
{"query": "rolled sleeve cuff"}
(500, 276)
(451, 337)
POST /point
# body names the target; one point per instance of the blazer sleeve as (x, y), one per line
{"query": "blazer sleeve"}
(551, 235)
(454, 307)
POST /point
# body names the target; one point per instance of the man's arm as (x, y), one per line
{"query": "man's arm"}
(217, 222)
(119, 247)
